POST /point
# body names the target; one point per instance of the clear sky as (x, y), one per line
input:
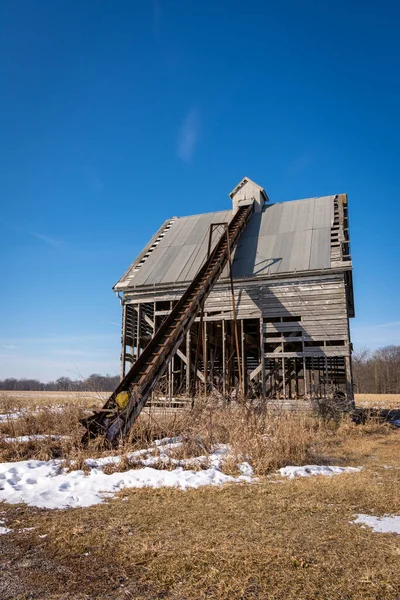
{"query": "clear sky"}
(115, 115)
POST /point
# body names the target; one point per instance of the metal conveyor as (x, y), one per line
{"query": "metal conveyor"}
(116, 419)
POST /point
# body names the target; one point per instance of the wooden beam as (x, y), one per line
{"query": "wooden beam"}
(188, 369)
(223, 333)
(183, 357)
(263, 375)
(123, 342)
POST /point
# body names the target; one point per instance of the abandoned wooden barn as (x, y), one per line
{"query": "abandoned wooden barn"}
(284, 333)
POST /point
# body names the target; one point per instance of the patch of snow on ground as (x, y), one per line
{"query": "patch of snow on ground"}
(10, 417)
(32, 438)
(4, 530)
(311, 470)
(4, 417)
(48, 484)
(385, 524)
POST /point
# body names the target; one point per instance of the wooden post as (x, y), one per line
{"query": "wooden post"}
(244, 370)
(262, 357)
(170, 381)
(234, 310)
(349, 380)
(205, 360)
(188, 364)
(138, 332)
(123, 342)
(283, 378)
(223, 358)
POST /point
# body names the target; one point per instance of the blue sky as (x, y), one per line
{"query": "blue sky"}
(117, 115)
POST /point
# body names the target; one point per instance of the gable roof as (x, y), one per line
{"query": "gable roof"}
(285, 237)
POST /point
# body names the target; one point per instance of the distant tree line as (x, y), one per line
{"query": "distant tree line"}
(93, 383)
(377, 372)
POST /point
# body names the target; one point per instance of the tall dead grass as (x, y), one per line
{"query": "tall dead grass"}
(268, 439)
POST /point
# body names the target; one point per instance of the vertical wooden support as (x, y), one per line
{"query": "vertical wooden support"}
(262, 357)
(326, 376)
(349, 380)
(305, 376)
(312, 381)
(283, 378)
(123, 342)
(223, 358)
(205, 359)
(139, 327)
(242, 351)
(188, 363)
(172, 376)
(241, 387)
(170, 368)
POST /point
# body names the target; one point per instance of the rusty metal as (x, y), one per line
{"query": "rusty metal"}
(114, 423)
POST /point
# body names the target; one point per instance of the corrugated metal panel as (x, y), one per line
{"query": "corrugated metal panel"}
(265, 255)
(180, 261)
(185, 235)
(286, 251)
(153, 260)
(323, 212)
(301, 249)
(271, 218)
(305, 214)
(286, 237)
(320, 257)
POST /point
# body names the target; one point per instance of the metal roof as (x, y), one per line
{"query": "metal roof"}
(284, 238)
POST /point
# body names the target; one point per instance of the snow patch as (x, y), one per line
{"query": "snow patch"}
(48, 484)
(312, 470)
(10, 416)
(385, 524)
(4, 530)
(32, 438)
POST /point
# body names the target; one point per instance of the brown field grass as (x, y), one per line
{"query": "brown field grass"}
(274, 539)
(292, 540)
(378, 400)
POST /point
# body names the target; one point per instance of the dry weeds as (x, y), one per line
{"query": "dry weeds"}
(378, 400)
(275, 539)
(290, 541)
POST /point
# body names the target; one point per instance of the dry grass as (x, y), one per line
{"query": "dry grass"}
(27, 400)
(290, 541)
(378, 400)
(275, 539)
(269, 439)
